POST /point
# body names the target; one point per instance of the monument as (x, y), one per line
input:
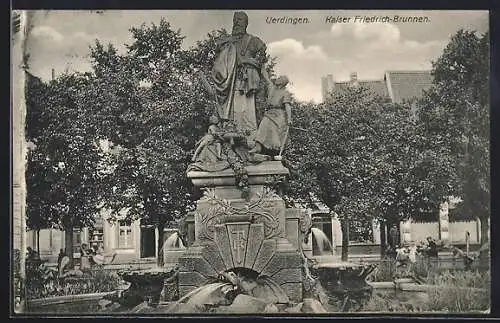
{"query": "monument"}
(241, 227)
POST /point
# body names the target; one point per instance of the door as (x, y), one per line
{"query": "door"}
(148, 242)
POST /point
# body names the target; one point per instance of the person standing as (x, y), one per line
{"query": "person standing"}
(432, 248)
(393, 237)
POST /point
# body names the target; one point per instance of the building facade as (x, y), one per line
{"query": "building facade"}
(18, 113)
(131, 241)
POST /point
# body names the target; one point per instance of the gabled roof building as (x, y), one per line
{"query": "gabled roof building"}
(396, 86)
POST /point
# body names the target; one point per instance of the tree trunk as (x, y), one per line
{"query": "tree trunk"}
(159, 244)
(68, 245)
(345, 239)
(383, 239)
(38, 241)
(485, 229)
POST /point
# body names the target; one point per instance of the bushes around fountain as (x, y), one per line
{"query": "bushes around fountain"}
(460, 291)
(387, 303)
(451, 291)
(42, 281)
(388, 270)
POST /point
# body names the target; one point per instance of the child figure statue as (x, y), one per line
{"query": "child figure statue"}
(212, 137)
(272, 133)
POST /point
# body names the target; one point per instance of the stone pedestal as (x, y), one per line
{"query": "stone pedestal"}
(258, 234)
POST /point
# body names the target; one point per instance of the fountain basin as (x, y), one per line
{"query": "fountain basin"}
(344, 283)
(68, 304)
(145, 285)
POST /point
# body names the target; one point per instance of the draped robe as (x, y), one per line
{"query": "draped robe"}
(236, 76)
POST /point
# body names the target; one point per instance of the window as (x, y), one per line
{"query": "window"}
(124, 235)
(97, 238)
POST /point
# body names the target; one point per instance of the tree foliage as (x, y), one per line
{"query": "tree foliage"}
(61, 173)
(367, 159)
(456, 113)
(122, 136)
(152, 111)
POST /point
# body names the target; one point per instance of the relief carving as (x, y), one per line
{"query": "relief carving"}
(258, 211)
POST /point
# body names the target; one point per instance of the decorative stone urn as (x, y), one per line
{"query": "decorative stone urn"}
(145, 286)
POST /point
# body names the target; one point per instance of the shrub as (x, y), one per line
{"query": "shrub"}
(39, 280)
(424, 268)
(453, 292)
(16, 272)
(171, 289)
(43, 282)
(389, 303)
(473, 279)
(16, 263)
(385, 270)
(388, 269)
(459, 292)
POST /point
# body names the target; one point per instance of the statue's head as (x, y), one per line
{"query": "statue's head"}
(240, 23)
(282, 81)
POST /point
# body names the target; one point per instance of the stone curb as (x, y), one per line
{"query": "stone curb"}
(413, 287)
(67, 298)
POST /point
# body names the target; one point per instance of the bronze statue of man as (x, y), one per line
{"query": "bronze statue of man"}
(236, 76)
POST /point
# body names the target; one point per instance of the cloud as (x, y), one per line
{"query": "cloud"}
(379, 32)
(368, 49)
(372, 48)
(302, 64)
(61, 41)
(295, 49)
(47, 33)
(67, 50)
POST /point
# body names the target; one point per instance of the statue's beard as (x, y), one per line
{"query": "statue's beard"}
(239, 30)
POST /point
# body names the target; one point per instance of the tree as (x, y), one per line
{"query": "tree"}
(414, 172)
(366, 159)
(456, 113)
(61, 174)
(336, 156)
(148, 109)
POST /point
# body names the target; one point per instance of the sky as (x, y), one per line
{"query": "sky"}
(60, 40)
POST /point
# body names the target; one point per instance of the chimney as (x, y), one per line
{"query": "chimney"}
(329, 78)
(327, 85)
(53, 74)
(354, 77)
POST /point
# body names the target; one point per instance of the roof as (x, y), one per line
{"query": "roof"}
(378, 86)
(407, 85)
